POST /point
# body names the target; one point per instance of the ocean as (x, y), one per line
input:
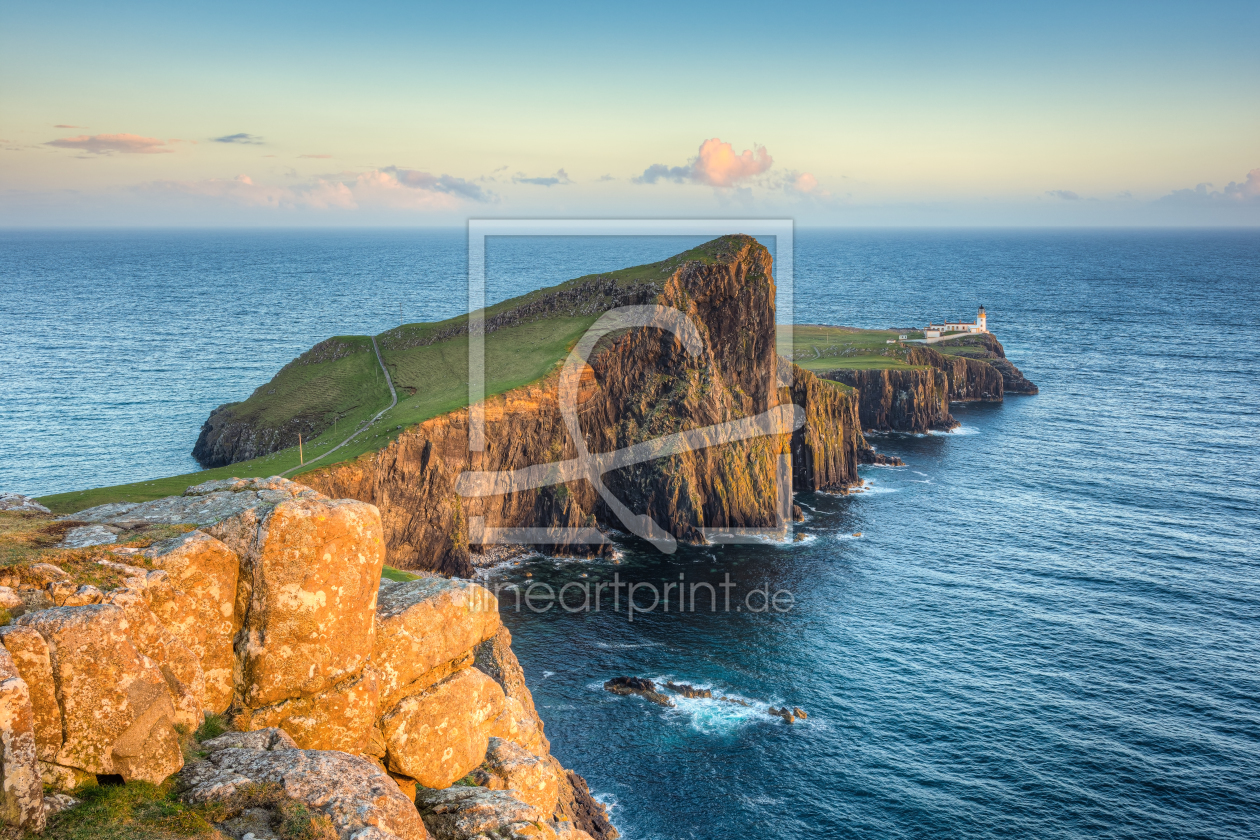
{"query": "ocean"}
(1046, 628)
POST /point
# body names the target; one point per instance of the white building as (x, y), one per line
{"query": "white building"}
(981, 325)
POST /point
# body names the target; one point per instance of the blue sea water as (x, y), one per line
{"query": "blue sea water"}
(1047, 628)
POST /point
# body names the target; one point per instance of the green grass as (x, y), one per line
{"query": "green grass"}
(390, 573)
(134, 811)
(820, 348)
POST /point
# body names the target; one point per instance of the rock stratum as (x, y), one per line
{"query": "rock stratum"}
(356, 695)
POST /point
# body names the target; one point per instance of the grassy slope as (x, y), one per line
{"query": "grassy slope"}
(353, 388)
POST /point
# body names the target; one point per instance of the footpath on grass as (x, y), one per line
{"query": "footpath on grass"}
(393, 401)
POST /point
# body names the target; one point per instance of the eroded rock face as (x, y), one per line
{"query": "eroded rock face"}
(439, 735)
(643, 386)
(31, 657)
(314, 584)
(21, 788)
(423, 624)
(361, 801)
(531, 779)
(180, 667)
(465, 813)
(198, 605)
(117, 712)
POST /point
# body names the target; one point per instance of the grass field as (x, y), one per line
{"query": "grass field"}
(817, 347)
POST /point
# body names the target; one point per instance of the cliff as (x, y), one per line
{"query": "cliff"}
(986, 347)
(641, 385)
(915, 396)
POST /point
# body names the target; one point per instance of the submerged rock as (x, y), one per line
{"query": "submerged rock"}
(627, 686)
(689, 690)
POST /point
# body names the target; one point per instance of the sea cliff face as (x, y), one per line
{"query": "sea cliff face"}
(917, 399)
(641, 385)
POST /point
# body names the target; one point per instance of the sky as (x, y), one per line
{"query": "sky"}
(860, 114)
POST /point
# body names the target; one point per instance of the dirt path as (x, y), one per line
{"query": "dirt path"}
(393, 401)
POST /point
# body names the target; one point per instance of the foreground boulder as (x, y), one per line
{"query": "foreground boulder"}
(424, 624)
(315, 578)
(362, 801)
(117, 710)
(349, 691)
(198, 605)
(471, 813)
(438, 735)
(21, 789)
(532, 780)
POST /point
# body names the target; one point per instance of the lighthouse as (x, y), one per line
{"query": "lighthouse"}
(981, 320)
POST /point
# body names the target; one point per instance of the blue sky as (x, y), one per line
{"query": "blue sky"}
(860, 114)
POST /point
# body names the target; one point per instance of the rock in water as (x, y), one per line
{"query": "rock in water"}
(689, 690)
(646, 689)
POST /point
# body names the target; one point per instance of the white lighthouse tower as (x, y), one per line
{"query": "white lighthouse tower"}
(982, 320)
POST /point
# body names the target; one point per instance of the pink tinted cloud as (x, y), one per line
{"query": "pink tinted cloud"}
(108, 144)
(805, 183)
(62, 125)
(717, 164)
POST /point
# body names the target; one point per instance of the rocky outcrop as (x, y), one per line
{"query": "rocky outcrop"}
(362, 802)
(349, 690)
(642, 385)
(17, 503)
